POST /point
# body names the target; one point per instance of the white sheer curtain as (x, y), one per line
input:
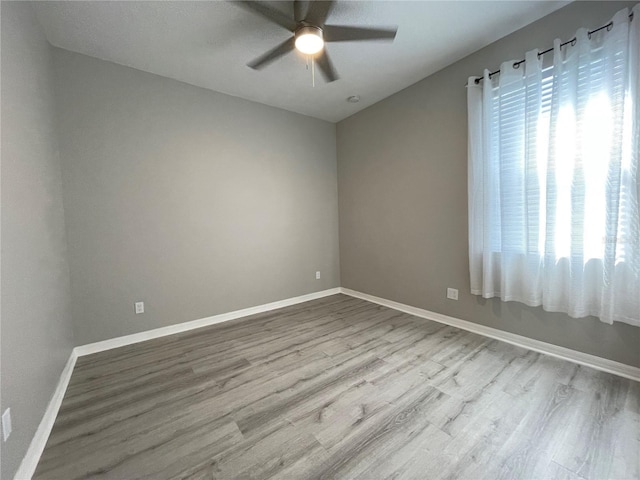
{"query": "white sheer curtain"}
(553, 177)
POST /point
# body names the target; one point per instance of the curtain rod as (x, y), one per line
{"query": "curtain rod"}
(572, 42)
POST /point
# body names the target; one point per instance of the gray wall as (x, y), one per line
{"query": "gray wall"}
(36, 317)
(402, 170)
(192, 201)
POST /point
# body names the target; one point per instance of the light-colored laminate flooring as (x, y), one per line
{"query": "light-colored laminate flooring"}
(340, 388)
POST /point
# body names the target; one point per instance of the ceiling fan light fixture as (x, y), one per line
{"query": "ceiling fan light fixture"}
(309, 40)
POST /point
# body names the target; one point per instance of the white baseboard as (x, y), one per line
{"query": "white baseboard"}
(30, 461)
(202, 322)
(574, 356)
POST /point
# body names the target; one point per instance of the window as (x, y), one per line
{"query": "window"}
(553, 177)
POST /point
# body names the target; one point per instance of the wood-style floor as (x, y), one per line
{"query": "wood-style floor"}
(340, 388)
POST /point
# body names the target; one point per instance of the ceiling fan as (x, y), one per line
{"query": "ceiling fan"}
(310, 33)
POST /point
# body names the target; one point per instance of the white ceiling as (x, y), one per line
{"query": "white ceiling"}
(208, 43)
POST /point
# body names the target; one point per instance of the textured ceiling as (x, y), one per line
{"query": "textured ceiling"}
(209, 43)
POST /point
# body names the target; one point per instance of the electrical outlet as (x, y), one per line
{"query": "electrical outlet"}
(139, 307)
(6, 424)
(317, 275)
(452, 293)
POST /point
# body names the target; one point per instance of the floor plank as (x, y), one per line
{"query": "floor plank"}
(340, 388)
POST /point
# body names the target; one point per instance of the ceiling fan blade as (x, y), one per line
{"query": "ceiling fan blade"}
(340, 33)
(273, 54)
(269, 13)
(326, 67)
(299, 10)
(319, 11)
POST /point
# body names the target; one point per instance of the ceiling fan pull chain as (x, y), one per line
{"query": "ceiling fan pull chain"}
(313, 73)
